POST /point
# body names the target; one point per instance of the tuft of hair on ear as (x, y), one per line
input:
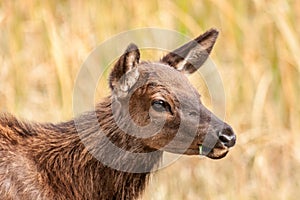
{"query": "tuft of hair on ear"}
(124, 73)
(191, 56)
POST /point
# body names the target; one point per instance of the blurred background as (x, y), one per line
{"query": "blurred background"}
(44, 43)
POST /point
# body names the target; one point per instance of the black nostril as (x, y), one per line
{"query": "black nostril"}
(227, 137)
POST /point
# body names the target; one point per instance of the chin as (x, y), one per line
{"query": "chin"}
(217, 153)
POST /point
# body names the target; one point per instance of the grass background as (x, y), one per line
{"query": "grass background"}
(44, 43)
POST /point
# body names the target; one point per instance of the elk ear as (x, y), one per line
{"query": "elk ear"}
(191, 56)
(125, 73)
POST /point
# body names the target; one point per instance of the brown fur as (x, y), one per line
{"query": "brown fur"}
(64, 160)
(58, 166)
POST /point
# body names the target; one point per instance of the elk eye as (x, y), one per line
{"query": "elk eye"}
(161, 106)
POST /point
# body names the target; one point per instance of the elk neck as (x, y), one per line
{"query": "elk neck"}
(91, 147)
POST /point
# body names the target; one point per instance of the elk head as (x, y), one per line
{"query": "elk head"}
(155, 102)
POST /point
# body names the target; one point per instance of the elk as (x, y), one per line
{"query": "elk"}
(110, 152)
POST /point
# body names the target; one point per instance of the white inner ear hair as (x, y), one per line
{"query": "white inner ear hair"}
(131, 60)
(129, 79)
(193, 57)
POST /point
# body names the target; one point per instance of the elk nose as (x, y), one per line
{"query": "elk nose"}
(227, 136)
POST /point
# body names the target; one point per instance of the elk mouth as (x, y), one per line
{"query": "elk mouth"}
(217, 152)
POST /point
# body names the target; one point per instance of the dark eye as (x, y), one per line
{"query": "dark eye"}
(161, 106)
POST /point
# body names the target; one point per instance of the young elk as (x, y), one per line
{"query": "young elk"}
(110, 152)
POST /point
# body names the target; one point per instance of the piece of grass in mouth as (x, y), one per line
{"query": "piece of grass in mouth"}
(200, 150)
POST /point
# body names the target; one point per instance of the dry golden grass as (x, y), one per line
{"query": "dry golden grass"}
(43, 44)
